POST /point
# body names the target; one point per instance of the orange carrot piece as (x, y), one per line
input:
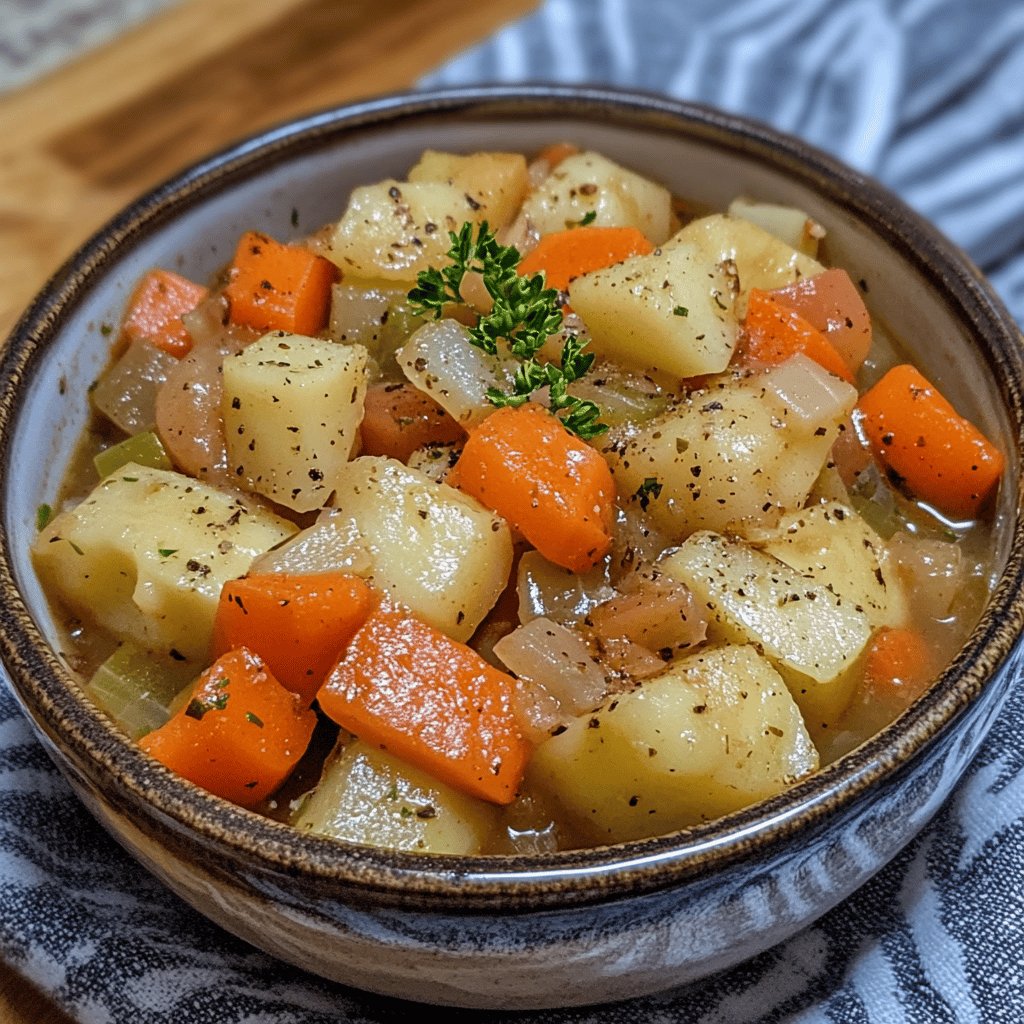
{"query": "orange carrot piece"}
(239, 736)
(830, 302)
(399, 418)
(298, 624)
(899, 666)
(553, 487)
(276, 287)
(774, 334)
(923, 443)
(565, 255)
(432, 701)
(554, 154)
(156, 307)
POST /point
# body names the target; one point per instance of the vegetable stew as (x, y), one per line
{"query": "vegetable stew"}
(517, 510)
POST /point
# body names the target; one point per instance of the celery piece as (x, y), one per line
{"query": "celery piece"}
(145, 449)
(137, 688)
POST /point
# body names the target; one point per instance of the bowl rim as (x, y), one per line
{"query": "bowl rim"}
(129, 779)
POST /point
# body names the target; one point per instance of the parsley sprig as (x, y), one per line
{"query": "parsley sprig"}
(525, 314)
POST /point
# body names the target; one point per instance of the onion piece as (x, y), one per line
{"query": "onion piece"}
(637, 544)
(441, 361)
(546, 655)
(376, 315)
(658, 613)
(813, 397)
(625, 663)
(127, 391)
(435, 459)
(547, 590)
(931, 570)
(188, 413)
(331, 544)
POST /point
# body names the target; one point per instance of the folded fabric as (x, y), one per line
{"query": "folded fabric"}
(925, 95)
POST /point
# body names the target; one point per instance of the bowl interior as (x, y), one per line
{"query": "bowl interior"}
(292, 181)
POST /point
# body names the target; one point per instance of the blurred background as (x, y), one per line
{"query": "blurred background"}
(101, 99)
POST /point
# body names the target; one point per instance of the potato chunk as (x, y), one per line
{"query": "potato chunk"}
(292, 407)
(367, 796)
(725, 457)
(497, 182)
(811, 635)
(588, 183)
(669, 311)
(395, 229)
(758, 258)
(786, 223)
(832, 544)
(434, 549)
(716, 732)
(145, 555)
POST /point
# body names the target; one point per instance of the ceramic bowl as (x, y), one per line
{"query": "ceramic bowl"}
(523, 931)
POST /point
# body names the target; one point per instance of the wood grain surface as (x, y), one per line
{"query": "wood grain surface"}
(79, 144)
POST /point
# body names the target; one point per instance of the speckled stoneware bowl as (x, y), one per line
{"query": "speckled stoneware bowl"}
(511, 932)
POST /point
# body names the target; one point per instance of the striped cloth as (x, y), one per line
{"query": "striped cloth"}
(928, 96)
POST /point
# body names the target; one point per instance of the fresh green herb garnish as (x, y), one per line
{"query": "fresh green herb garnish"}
(681, 311)
(650, 488)
(198, 707)
(588, 218)
(166, 552)
(250, 717)
(43, 515)
(525, 314)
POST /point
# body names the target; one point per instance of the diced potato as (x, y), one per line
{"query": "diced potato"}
(442, 362)
(811, 635)
(832, 544)
(292, 407)
(498, 182)
(669, 311)
(146, 553)
(433, 548)
(786, 223)
(759, 258)
(716, 732)
(395, 229)
(367, 796)
(588, 183)
(724, 458)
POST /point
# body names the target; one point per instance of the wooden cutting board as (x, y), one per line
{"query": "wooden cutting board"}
(79, 144)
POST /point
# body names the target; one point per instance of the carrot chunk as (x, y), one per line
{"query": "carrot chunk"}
(899, 666)
(924, 444)
(399, 418)
(830, 302)
(554, 154)
(239, 736)
(774, 334)
(276, 287)
(565, 255)
(156, 307)
(429, 700)
(298, 624)
(553, 487)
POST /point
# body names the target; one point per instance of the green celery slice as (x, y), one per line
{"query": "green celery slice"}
(146, 449)
(137, 688)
